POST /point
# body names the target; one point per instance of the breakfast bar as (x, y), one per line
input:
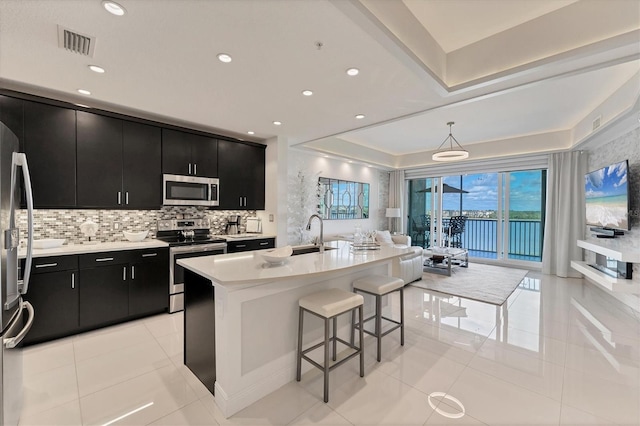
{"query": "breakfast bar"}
(241, 314)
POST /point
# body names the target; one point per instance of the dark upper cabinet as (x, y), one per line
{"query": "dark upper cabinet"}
(99, 160)
(50, 145)
(119, 163)
(242, 181)
(12, 117)
(142, 165)
(189, 154)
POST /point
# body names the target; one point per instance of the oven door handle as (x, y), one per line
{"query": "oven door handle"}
(198, 248)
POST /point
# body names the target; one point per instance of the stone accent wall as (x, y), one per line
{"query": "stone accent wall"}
(66, 223)
(600, 155)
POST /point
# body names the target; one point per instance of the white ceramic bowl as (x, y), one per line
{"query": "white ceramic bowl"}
(135, 236)
(46, 243)
(278, 255)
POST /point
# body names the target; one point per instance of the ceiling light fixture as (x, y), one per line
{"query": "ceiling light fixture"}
(353, 72)
(224, 57)
(84, 92)
(452, 153)
(113, 8)
(277, 123)
(97, 69)
(250, 132)
(360, 116)
(307, 92)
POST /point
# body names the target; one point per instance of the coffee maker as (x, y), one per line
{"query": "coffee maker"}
(233, 224)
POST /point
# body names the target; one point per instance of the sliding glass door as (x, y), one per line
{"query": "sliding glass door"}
(502, 214)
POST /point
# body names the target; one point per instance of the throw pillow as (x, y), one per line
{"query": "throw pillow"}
(384, 237)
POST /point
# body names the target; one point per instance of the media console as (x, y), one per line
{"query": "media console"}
(614, 278)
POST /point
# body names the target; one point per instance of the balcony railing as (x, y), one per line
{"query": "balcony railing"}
(481, 235)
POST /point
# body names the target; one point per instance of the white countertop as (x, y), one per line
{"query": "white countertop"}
(93, 248)
(241, 237)
(249, 267)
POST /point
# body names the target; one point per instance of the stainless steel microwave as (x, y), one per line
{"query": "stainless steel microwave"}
(190, 191)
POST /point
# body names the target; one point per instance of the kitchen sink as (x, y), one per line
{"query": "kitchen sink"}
(309, 249)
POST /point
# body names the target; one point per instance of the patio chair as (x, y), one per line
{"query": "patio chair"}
(453, 232)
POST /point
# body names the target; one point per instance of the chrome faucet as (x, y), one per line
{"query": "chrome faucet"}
(321, 230)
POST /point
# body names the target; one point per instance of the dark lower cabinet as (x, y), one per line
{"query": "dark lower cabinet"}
(248, 245)
(149, 286)
(77, 293)
(199, 328)
(104, 295)
(54, 297)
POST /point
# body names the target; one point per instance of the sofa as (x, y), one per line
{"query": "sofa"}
(408, 267)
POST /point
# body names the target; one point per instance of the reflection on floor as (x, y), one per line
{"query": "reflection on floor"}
(559, 352)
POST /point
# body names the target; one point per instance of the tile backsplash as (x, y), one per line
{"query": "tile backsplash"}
(66, 223)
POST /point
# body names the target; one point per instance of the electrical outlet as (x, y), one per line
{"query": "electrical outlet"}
(270, 218)
(116, 226)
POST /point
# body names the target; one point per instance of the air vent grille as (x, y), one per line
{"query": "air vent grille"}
(75, 42)
(596, 122)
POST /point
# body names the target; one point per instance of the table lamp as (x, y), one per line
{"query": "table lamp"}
(392, 212)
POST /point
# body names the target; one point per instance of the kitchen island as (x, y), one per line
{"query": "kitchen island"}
(241, 315)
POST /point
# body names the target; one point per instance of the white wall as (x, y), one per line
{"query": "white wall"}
(304, 170)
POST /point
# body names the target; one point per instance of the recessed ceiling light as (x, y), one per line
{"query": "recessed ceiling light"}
(360, 116)
(223, 57)
(353, 71)
(251, 132)
(351, 161)
(97, 69)
(113, 7)
(307, 92)
(277, 123)
(84, 92)
(325, 156)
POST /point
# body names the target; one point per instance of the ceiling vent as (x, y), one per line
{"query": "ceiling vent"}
(596, 123)
(75, 42)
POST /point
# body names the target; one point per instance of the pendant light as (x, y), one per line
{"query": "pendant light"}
(451, 153)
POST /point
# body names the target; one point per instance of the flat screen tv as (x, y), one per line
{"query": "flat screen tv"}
(607, 196)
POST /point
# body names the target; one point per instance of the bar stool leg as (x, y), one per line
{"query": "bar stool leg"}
(326, 360)
(299, 355)
(353, 325)
(379, 324)
(361, 343)
(401, 316)
(335, 334)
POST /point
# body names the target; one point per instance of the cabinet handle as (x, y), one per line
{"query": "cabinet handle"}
(104, 259)
(46, 265)
(195, 168)
(149, 254)
(124, 273)
(245, 201)
(241, 245)
(240, 201)
(189, 168)
(126, 197)
(133, 272)
(264, 244)
(73, 280)
(119, 197)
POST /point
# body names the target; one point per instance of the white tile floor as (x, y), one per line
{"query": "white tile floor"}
(568, 354)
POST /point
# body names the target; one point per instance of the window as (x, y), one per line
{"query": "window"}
(503, 213)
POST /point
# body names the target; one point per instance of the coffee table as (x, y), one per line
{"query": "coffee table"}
(440, 259)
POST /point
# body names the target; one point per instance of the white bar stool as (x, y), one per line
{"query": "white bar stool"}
(328, 305)
(378, 286)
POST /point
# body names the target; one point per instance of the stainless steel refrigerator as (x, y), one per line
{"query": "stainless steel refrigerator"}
(17, 315)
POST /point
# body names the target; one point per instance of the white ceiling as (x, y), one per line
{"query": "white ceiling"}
(486, 64)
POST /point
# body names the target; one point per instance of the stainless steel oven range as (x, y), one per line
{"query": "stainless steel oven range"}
(186, 238)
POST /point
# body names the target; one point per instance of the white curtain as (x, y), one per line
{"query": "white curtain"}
(565, 222)
(396, 196)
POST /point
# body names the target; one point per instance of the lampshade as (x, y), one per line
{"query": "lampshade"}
(393, 212)
(450, 153)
